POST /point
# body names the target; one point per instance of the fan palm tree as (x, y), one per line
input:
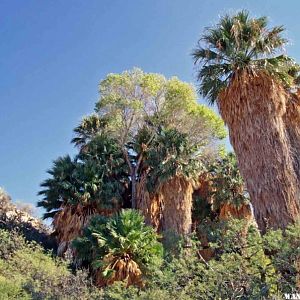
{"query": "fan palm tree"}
(92, 183)
(165, 188)
(89, 127)
(121, 248)
(241, 69)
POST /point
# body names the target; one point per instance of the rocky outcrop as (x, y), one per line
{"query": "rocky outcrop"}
(18, 219)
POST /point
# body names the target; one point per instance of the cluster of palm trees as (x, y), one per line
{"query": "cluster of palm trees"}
(148, 144)
(142, 148)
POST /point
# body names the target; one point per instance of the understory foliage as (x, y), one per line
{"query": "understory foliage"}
(245, 266)
(27, 271)
(241, 269)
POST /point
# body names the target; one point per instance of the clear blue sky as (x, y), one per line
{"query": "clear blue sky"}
(54, 53)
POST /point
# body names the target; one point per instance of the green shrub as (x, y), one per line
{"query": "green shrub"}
(283, 247)
(10, 242)
(11, 290)
(246, 265)
(28, 272)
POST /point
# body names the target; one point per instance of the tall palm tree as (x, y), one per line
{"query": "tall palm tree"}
(241, 69)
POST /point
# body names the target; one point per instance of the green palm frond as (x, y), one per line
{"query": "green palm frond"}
(89, 127)
(96, 176)
(236, 43)
(125, 234)
(171, 153)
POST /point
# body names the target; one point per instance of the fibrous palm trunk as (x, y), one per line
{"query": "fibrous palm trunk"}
(253, 107)
(149, 204)
(169, 208)
(292, 123)
(69, 222)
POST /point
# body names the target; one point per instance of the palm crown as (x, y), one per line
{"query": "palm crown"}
(239, 43)
(96, 176)
(119, 247)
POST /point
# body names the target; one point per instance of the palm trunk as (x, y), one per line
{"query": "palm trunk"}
(149, 204)
(292, 123)
(133, 190)
(134, 169)
(177, 195)
(170, 207)
(253, 107)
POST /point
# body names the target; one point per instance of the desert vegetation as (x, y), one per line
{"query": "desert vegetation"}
(152, 206)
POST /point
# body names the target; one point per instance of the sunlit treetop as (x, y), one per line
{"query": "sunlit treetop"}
(133, 99)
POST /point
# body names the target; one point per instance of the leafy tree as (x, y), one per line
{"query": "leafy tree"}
(241, 68)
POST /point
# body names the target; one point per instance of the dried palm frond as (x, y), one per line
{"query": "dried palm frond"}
(253, 107)
(70, 220)
(292, 122)
(242, 67)
(169, 207)
(149, 204)
(176, 194)
(229, 210)
(119, 269)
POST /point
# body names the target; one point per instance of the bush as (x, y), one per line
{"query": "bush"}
(245, 265)
(10, 242)
(27, 272)
(240, 269)
(283, 247)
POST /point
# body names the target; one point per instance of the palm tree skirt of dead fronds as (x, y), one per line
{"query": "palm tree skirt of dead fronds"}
(253, 107)
(122, 269)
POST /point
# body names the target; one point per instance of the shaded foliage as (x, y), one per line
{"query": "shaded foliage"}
(28, 272)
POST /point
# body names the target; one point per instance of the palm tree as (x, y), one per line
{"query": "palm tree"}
(241, 69)
(165, 188)
(228, 192)
(120, 248)
(89, 127)
(92, 183)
